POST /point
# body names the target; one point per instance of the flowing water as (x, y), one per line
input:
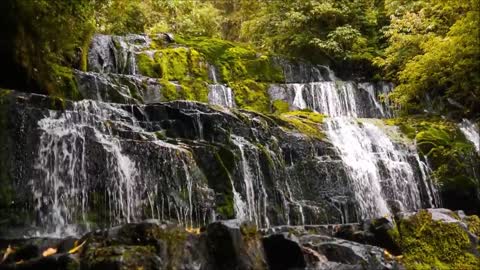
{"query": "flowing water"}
(471, 132)
(68, 142)
(219, 94)
(360, 172)
(380, 171)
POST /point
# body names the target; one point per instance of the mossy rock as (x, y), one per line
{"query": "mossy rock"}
(251, 95)
(429, 244)
(280, 106)
(308, 123)
(236, 61)
(173, 64)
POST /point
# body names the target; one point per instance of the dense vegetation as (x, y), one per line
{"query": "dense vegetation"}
(429, 48)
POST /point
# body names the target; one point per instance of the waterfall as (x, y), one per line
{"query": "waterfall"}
(471, 132)
(254, 192)
(219, 94)
(380, 171)
(298, 101)
(73, 144)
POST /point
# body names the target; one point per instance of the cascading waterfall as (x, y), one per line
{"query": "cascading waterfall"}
(471, 132)
(380, 171)
(254, 208)
(219, 94)
(64, 197)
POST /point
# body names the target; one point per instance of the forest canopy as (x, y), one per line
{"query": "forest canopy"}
(430, 49)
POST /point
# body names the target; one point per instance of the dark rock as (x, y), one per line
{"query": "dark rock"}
(347, 252)
(283, 252)
(234, 245)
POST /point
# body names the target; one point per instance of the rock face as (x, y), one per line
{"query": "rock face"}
(115, 163)
(228, 244)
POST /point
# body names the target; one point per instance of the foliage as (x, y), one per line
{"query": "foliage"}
(50, 37)
(428, 244)
(335, 30)
(434, 51)
(186, 17)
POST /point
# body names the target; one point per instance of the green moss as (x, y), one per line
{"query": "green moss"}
(251, 95)
(147, 66)
(169, 91)
(428, 244)
(161, 135)
(249, 232)
(173, 64)
(236, 61)
(473, 223)
(194, 89)
(226, 160)
(280, 106)
(308, 123)
(100, 257)
(62, 83)
(174, 239)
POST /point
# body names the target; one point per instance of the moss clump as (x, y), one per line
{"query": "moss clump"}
(251, 95)
(473, 223)
(130, 257)
(169, 90)
(173, 64)
(280, 106)
(226, 160)
(174, 239)
(62, 83)
(194, 89)
(236, 61)
(429, 244)
(147, 66)
(308, 123)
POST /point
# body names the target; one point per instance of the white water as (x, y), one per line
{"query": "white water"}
(255, 206)
(378, 169)
(471, 132)
(63, 186)
(298, 101)
(219, 94)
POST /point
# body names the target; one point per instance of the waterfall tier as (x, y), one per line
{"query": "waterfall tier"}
(124, 155)
(81, 165)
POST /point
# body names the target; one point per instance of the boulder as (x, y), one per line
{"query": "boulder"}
(233, 245)
(283, 251)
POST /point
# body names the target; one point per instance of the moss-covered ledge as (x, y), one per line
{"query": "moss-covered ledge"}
(188, 62)
(306, 122)
(427, 243)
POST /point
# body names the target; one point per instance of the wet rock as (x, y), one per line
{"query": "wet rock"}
(232, 244)
(115, 54)
(283, 251)
(118, 88)
(54, 262)
(150, 244)
(348, 252)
